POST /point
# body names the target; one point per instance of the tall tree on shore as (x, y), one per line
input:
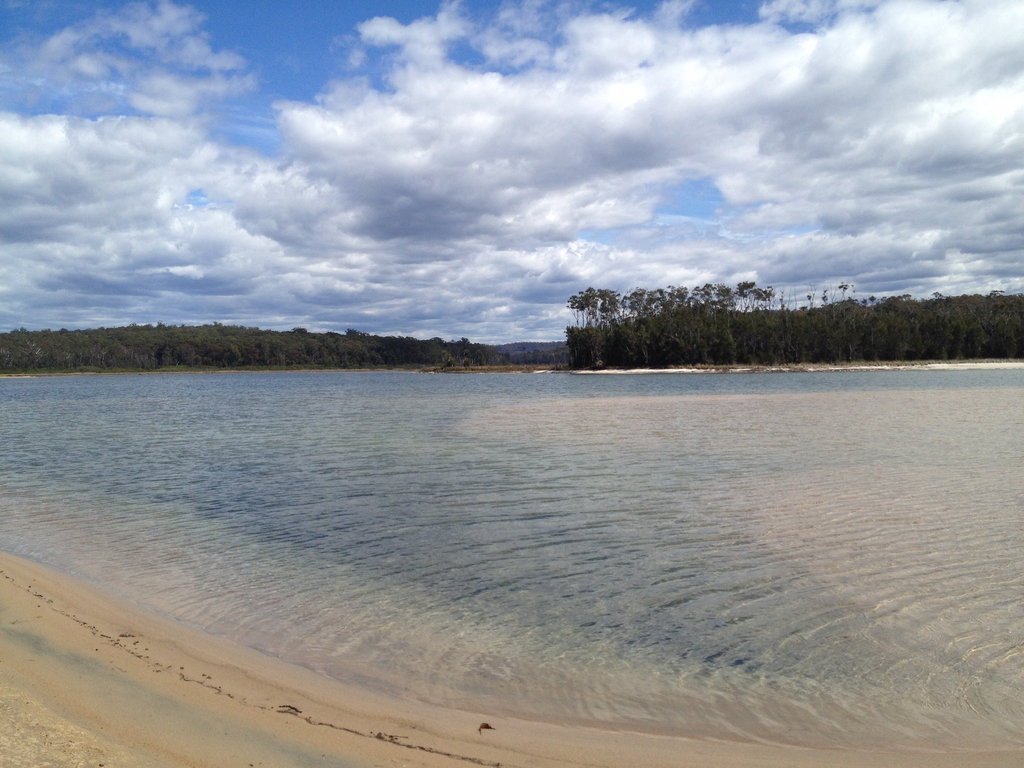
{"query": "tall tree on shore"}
(719, 325)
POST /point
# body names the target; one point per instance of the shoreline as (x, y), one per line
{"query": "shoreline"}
(985, 364)
(932, 365)
(87, 679)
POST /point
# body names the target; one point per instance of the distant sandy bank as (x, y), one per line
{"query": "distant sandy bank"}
(86, 680)
(810, 367)
(532, 369)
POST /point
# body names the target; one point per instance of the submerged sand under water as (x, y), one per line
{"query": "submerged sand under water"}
(828, 569)
(89, 680)
(876, 599)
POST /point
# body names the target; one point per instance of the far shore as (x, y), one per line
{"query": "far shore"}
(89, 680)
(517, 368)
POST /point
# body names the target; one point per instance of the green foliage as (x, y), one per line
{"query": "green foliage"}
(720, 325)
(163, 347)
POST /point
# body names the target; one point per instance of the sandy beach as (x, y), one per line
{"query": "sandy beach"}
(963, 365)
(86, 680)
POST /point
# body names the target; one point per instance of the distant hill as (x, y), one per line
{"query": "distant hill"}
(535, 352)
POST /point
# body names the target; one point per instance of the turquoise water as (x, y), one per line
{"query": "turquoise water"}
(813, 558)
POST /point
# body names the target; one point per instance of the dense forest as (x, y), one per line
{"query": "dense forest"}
(168, 347)
(721, 325)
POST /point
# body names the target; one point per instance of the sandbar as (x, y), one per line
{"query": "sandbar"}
(922, 365)
(87, 679)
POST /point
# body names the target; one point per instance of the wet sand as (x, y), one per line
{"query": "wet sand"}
(87, 680)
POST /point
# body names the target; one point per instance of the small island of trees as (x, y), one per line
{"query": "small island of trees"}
(751, 325)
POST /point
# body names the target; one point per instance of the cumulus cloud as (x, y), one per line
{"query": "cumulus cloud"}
(155, 60)
(99, 224)
(809, 11)
(470, 174)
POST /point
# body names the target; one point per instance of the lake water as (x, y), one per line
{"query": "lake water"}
(810, 558)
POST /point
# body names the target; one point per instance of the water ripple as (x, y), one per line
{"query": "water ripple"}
(794, 562)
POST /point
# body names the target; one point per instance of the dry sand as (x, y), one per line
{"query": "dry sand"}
(964, 365)
(86, 680)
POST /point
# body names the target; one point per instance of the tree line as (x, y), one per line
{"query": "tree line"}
(748, 324)
(216, 346)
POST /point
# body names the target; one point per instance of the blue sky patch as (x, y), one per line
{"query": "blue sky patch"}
(197, 199)
(694, 198)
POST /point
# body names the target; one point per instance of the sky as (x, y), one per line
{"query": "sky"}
(463, 168)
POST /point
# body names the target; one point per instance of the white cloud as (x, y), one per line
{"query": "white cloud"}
(882, 147)
(166, 94)
(96, 207)
(423, 43)
(127, 59)
(809, 11)
(172, 31)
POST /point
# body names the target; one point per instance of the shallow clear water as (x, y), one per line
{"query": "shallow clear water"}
(827, 558)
